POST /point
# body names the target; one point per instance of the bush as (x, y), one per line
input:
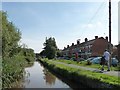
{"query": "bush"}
(88, 62)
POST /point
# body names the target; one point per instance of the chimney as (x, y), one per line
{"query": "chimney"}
(72, 44)
(86, 39)
(106, 38)
(96, 37)
(67, 46)
(78, 41)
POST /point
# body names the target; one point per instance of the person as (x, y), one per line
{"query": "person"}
(106, 56)
(102, 62)
(76, 56)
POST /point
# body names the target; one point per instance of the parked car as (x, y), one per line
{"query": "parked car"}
(114, 62)
(66, 58)
(97, 60)
(91, 58)
(81, 59)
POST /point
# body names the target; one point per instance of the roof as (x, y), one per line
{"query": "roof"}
(82, 44)
(88, 42)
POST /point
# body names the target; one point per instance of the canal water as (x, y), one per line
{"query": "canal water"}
(37, 76)
(40, 77)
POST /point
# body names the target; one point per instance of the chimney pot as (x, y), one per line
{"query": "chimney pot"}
(96, 37)
(86, 39)
(72, 44)
(67, 46)
(78, 41)
(106, 38)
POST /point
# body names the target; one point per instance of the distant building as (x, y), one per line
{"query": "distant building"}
(88, 48)
(118, 49)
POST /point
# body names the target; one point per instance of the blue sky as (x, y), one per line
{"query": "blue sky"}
(65, 21)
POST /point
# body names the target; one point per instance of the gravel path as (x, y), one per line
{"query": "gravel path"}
(112, 73)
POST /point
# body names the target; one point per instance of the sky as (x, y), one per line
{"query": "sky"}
(65, 21)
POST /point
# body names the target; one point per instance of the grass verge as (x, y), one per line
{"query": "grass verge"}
(84, 63)
(91, 79)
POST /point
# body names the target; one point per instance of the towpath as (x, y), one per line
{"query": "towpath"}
(112, 73)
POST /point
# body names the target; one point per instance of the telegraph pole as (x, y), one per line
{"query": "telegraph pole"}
(109, 44)
(109, 22)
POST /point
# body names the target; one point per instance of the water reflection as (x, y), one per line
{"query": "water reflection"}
(40, 77)
(49, 78)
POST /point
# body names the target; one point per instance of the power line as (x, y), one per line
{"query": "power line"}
(92, 17)
(102, 17)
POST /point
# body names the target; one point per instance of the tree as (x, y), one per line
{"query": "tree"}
(10, 36)
(50, 48)
(14, 57)
(42, 53)
(59, 53)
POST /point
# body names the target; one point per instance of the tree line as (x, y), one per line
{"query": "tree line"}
(15, 57)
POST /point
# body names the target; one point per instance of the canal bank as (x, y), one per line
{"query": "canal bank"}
(38, 76)
(92, 80)
(72, 85)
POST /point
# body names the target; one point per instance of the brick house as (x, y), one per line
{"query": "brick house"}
(118, 49)
(94, 47)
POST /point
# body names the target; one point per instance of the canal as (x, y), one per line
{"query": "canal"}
(37, 76)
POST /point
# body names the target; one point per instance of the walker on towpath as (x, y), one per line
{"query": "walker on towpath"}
(111, 73)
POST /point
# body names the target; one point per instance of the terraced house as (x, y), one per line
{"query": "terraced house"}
(88, 48)
(118, 52)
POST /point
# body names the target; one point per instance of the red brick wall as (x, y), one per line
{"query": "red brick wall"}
(99, 47)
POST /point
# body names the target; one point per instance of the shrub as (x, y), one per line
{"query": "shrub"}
(88, 62)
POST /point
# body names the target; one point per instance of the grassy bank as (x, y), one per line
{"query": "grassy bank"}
(84, 63)
(90, 79)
